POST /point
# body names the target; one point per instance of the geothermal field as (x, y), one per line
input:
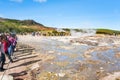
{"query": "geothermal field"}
(85, 56)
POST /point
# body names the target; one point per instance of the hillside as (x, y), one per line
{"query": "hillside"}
(21, 26)
(98, 31)
(107, 31)
(10, 25)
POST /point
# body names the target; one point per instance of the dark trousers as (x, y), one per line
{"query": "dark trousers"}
(8, 55)
(2, 60)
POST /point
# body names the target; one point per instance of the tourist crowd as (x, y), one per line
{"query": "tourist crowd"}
(7, 47)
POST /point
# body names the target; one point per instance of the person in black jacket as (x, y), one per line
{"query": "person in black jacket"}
(2, 56)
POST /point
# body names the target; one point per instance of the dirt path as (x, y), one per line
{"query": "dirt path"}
(19, 68)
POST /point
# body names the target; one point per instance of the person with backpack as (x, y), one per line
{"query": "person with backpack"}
(13, 41)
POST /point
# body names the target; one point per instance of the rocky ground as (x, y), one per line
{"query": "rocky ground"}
(25, 60)
(100, 44)
(38, 58)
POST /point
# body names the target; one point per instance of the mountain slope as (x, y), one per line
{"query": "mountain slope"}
(9, 25)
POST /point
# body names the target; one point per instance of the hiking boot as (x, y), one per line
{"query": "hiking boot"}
(12, 61)
(2, 69)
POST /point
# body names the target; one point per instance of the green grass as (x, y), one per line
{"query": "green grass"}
(9, 25)
(66, 29)
(107, 31)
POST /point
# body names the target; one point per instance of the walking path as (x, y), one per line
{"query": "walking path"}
(24, 57)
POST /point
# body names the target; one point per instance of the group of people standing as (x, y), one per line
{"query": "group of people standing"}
(7, 46)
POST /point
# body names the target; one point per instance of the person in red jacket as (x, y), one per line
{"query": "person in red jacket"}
(6, 44)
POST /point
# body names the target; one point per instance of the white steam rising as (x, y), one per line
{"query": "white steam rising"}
(84, 32)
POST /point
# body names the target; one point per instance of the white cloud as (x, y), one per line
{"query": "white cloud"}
(41, 1)
(17, 0)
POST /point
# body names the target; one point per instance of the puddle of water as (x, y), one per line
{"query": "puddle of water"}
(62, 58)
